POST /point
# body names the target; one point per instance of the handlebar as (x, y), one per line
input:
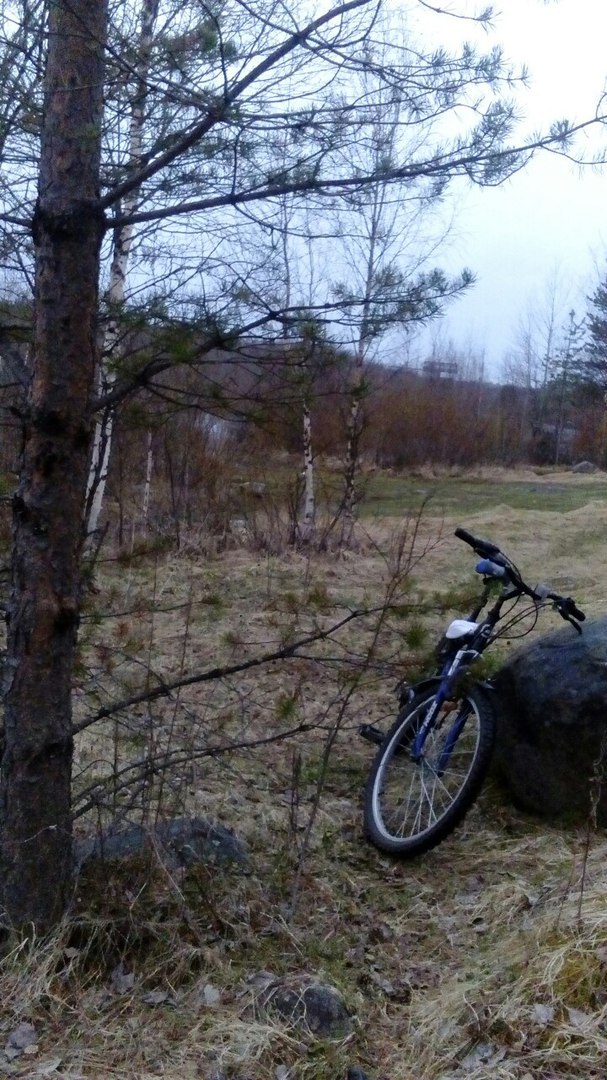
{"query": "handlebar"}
(496, 560)
(482, 547)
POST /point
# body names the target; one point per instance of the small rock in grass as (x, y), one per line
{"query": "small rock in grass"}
(314, 1007)
(23, 1036)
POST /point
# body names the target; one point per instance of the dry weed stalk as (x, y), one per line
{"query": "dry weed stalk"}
(596, 788)
(176, 734)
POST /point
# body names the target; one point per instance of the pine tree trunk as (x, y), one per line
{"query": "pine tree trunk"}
(36, 832)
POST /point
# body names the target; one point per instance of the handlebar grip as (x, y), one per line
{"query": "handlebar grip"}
(463, 534)
(482, 547)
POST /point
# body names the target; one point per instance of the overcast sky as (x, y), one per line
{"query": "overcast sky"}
(552, 217)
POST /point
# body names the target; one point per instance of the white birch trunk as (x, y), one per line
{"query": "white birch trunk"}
(351, 462)
(149, 465)
(354, 421)
(378, 225)
(122, 243)
(353, 424)
(307, 525)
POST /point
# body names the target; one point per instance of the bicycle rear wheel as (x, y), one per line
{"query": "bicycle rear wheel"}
(410, 806)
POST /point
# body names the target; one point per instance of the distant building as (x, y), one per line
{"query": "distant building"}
(440, 369)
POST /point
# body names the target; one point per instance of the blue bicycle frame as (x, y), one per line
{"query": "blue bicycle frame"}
(454, 667)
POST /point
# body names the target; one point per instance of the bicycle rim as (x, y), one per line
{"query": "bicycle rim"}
(414, 801)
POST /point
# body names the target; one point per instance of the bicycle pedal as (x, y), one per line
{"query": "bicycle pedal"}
(371, 733)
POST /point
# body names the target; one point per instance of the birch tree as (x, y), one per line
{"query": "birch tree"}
(313, 353)
(387, 288)
(122, 240)
(291, 287)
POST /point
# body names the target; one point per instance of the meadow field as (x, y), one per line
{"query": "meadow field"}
(485, 959)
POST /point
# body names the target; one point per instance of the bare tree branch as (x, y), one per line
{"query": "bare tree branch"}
(220, 107)
(165, 689)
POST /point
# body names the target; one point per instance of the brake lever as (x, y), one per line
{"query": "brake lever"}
(569, 619)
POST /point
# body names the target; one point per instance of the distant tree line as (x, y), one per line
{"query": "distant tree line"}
(182, 448)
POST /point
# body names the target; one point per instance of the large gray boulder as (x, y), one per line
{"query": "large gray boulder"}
(584, 467)
(551, 703)
(183, 842)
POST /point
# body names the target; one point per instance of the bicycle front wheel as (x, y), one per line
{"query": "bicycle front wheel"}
(411, 805)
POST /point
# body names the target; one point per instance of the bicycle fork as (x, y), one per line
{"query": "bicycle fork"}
(462, 660)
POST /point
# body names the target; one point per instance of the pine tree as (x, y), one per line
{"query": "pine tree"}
(592, 366)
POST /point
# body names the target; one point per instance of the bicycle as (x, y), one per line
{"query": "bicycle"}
(431, 764)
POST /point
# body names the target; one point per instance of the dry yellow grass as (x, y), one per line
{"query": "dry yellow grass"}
(486, 959)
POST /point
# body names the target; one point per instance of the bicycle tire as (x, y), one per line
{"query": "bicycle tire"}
(410, 807)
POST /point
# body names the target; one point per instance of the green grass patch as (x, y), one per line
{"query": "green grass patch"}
(395, 496)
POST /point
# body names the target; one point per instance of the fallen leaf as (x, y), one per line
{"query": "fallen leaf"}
(543, 1014)
(122, 981)
(579, 1019)
(209, 996)
(45, 1068)
(156, 997)
(23, 1036)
